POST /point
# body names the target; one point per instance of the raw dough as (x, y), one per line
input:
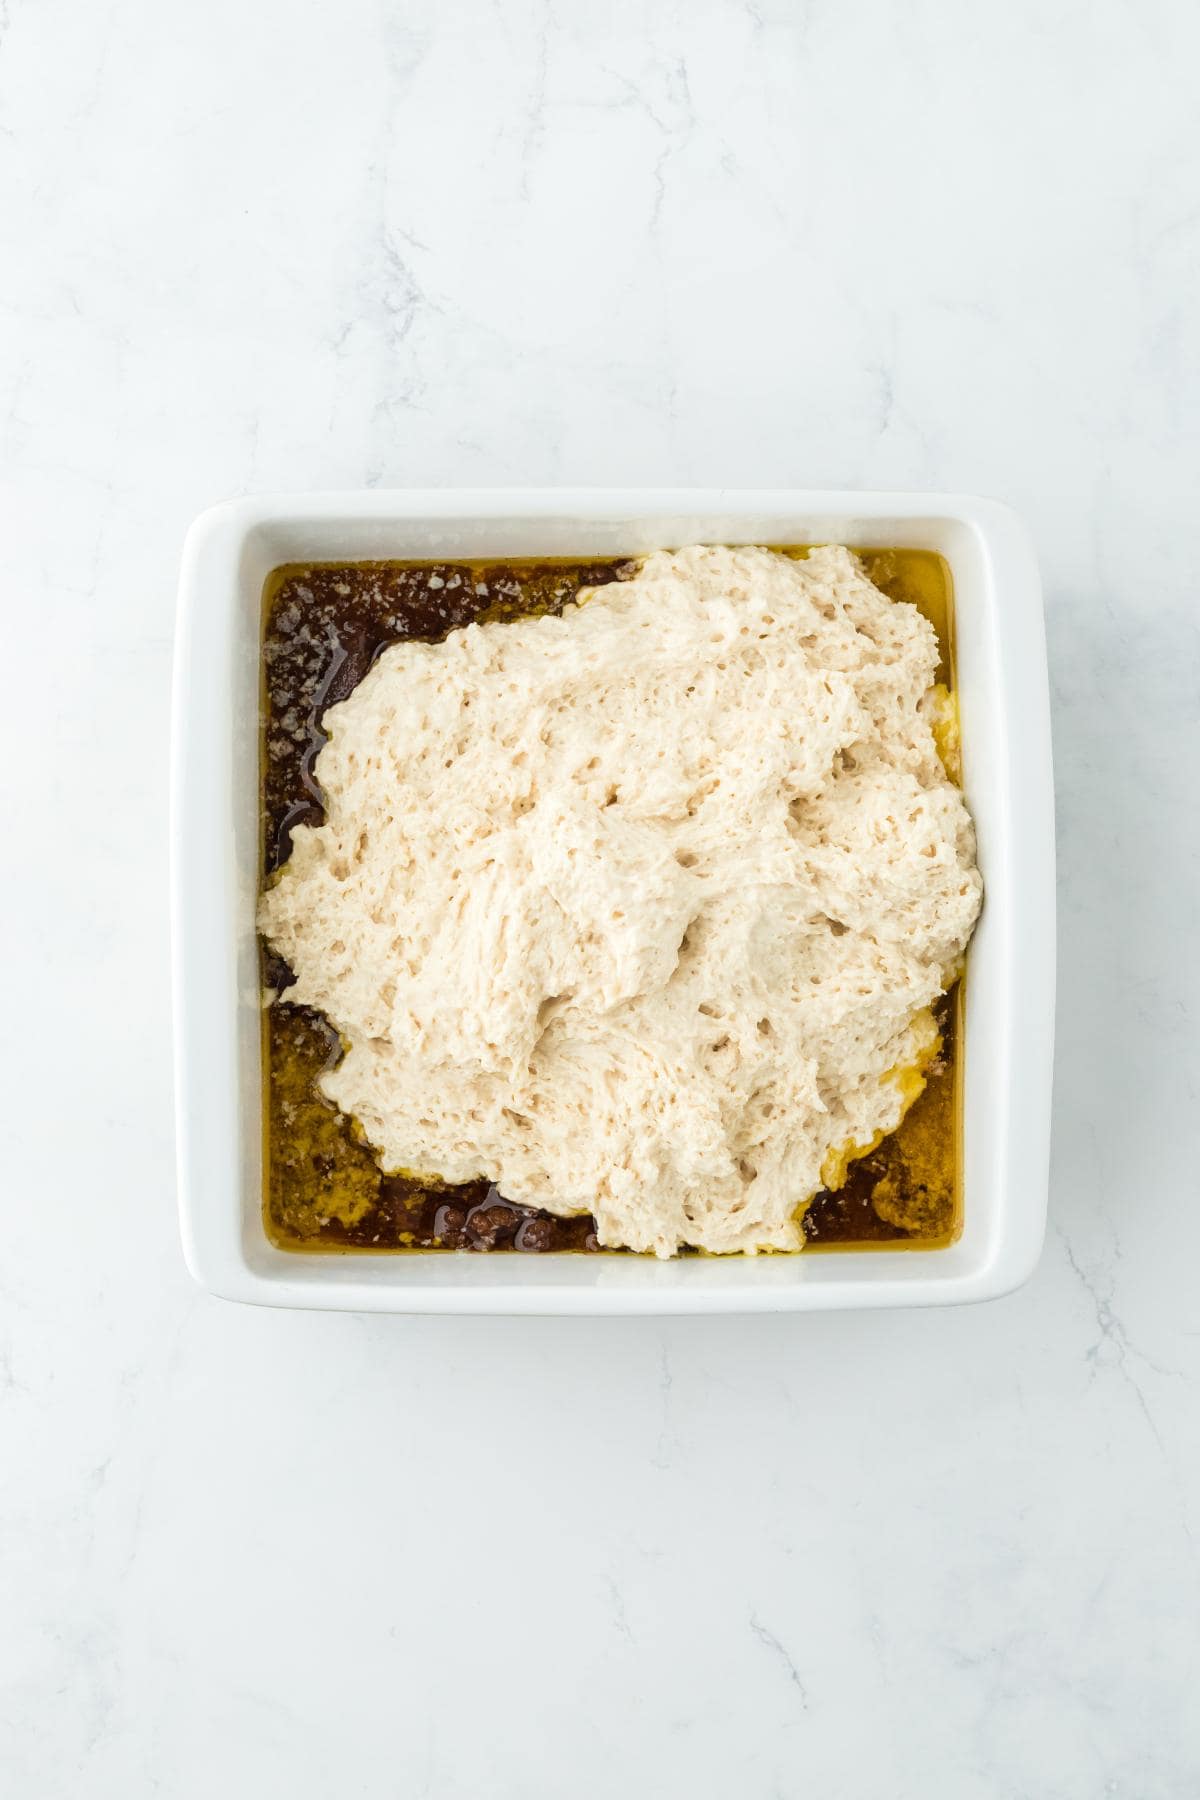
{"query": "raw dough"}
(639, 910)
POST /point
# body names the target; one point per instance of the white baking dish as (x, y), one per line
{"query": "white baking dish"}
(1001, 671)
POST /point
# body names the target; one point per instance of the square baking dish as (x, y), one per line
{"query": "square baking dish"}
(215, 849)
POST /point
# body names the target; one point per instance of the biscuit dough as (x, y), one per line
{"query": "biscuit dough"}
(639, 910)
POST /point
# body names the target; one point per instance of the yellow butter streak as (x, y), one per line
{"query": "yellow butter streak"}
(909, 1078)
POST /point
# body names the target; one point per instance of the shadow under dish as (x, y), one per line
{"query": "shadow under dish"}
(324, 624)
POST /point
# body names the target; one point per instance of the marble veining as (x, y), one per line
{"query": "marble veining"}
(906, 243)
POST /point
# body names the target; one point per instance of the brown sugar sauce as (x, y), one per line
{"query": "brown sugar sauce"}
(324, 624)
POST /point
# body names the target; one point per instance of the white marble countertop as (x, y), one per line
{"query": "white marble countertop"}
(908, 243)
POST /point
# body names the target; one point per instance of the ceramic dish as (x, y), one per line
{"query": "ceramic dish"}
(1007, 1047)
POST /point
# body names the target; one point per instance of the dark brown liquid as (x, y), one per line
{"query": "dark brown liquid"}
(324, 625)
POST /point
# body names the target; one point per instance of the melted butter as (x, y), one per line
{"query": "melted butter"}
(909, 1078)
(941, 708)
